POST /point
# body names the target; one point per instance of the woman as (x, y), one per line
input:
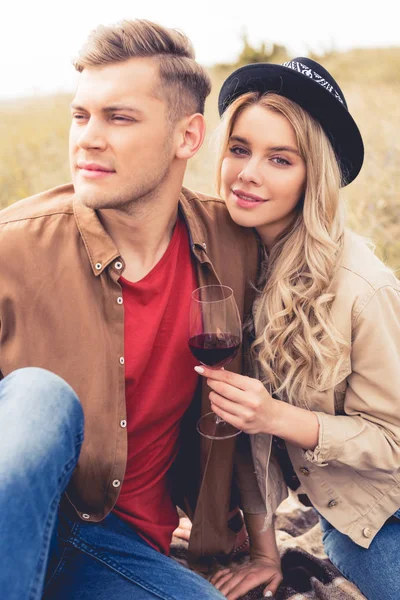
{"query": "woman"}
(326, 353)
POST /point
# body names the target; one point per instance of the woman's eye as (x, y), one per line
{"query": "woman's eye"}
(238, 151)
(279, 160)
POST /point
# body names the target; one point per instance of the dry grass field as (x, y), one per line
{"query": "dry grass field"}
(34, 144)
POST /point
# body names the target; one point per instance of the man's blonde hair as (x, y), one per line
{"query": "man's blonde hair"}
(184, 84)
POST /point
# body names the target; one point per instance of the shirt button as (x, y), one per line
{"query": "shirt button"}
(367, 532)
(85, 516)
(304, 471)
(119, 300)
(122, 360)
(332, 504)
(123, 423)
(98, 266)
(116, 483)
(118, 265)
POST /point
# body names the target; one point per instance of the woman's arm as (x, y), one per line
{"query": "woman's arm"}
(245, 403)
(264, 566)
(367, 437)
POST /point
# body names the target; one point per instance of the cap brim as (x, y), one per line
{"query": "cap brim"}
(335, 119)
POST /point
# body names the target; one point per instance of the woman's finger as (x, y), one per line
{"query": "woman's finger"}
(230, 586)
(272, 587)
(222, 580)
(228, 417)
(228, 391)
(218, 575)
(239, 381)
(237, 410)
(248, 583)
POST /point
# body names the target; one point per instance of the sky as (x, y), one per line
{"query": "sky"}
(39, 39)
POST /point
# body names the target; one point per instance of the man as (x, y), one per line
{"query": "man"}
(96, 281)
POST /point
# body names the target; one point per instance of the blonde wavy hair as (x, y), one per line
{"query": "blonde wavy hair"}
(296, 342)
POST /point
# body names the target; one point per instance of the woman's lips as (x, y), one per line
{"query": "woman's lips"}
(245, 200)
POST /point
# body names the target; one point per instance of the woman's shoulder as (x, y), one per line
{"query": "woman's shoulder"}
(360, 269)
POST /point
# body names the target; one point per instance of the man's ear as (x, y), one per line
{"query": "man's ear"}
(190, 135)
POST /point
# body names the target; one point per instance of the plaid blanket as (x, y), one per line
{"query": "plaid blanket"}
(307, 572)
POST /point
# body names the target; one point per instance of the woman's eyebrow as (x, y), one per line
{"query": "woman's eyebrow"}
(237, 138)
(284, 149)
(242, 140)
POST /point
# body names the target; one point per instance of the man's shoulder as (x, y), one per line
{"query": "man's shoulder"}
(211, 214)
(45, 204)
(205, 201)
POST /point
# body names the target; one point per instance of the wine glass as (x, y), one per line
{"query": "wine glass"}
(215, 335)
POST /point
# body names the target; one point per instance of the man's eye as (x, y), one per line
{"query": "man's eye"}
(120, 118)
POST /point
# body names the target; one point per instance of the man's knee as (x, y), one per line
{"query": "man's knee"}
(38, 408)
(39, 390)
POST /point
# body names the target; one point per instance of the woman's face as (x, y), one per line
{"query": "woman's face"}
(263, 175)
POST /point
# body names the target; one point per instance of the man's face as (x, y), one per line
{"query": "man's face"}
(121, 143)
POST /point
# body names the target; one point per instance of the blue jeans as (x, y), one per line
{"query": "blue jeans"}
(45, 550)
(376, 570)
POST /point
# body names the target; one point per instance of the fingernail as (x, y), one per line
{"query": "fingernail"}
(199, 369)
(268, 594)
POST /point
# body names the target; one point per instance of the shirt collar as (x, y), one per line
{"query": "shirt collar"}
(99, 246)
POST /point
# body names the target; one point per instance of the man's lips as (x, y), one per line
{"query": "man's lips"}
(91, 166)
(246, 199)
(93, 170)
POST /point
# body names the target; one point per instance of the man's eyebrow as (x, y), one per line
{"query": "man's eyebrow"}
(242, 140)
(123, 107)
(108, 109)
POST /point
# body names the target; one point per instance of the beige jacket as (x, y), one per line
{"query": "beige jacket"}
(353, 476)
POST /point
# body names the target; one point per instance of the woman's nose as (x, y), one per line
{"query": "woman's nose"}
(251, 173)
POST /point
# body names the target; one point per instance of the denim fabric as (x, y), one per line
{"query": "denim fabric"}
(376, 570)
(43, 545)
(109, 560)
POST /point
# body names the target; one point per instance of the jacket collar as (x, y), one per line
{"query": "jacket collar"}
(101, 249)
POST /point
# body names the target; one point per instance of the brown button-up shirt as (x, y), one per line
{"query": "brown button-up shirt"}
(59, 310)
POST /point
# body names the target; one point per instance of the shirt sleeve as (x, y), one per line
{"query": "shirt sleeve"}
(367, 437)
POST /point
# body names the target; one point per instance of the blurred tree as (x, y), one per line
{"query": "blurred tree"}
(264, 53)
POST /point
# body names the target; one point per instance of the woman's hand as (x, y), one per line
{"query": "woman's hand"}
(241, 401)
(237, 580)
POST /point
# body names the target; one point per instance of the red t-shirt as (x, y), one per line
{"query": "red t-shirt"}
(160, 384)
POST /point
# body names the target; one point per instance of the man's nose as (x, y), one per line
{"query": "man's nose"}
(92, 136)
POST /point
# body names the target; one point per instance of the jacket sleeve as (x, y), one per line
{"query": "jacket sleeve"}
(367, 437)
(251, 501)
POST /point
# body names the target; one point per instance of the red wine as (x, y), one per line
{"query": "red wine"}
(214, 349)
